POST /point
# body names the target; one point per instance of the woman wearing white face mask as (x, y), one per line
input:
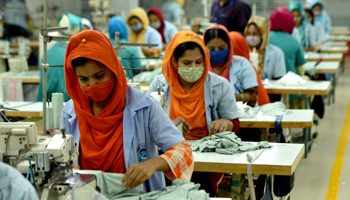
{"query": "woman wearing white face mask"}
(271, 58)
(166, 29)
(141, 32)
(306, 30)
(321, 15)
(319, 29)
(204, 101)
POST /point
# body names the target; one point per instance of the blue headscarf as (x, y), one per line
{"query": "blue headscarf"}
(117, 24)
(323, 18)
(296, 5)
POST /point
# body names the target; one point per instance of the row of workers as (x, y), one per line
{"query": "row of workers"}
(202, 79)
(256, 33)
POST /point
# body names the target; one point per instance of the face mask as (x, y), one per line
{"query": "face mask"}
(317, 13)
(99, 92)
(137, 28)
(297, 20)
(191, 74)
(218, 57)
(253, 41)
(309, 20)
(156, 25)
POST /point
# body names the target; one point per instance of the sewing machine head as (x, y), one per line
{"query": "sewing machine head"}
(50, 156)
(160, 97)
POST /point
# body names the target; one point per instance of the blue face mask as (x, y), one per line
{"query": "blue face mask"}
(218, 57)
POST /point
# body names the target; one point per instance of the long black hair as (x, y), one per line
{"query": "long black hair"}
(312, 15)
(216, 33)
(180, 50)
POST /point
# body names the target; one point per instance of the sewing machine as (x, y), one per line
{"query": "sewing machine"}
(47, 159)
(160, 97)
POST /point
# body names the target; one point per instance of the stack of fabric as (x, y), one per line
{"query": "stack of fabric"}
(226, 143)
(271, 109)
(147, 77)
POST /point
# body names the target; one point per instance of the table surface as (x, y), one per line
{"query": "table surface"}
(281, 159)
(28, 78)
(293, 119)
(25, 109)
(343, 38)
(330, 49)
(313, 56)
(336, 44)
(15, 50)
(310, 88)
(33, 44)
(325, 66)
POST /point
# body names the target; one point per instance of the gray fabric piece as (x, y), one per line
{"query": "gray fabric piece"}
(226, 143)
(110, 187)
(147, 77)
(271, 109)
(179, 190)
(109, 184)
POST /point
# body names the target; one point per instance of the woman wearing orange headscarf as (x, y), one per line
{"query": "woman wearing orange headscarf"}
(118, 128)
(241, 48)
(202, 99)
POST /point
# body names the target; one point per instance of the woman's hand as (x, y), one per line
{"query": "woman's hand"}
(137, 174)
(140, 172)
(195, 27)
(186, 128)
(220, 126)
(76, 166)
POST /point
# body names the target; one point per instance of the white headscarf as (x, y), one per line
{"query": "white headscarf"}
(87, 23)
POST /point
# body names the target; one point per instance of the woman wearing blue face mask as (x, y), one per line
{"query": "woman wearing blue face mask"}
(235, 69)
(141, 32)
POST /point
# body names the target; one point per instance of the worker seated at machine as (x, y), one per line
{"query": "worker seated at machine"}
(118, 128)
(204, 101)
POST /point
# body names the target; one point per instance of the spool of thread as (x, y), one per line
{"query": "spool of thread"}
(22, 48)
(254, 58)
(57, 105)
(49, 118)
(6, 47)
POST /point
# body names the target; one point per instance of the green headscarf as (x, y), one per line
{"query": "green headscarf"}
(296, 5)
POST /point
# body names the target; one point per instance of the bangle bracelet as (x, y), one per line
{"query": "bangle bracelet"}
(242, 96)
(231, 124)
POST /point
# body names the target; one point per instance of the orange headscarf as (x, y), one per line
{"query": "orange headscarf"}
(225, 72)
(101, 136)
(190, 105)
(241, 48)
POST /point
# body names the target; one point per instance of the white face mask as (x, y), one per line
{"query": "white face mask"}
(253, 41)
(156, 25)
(297, 20)
(137, 28)
(317, 13)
